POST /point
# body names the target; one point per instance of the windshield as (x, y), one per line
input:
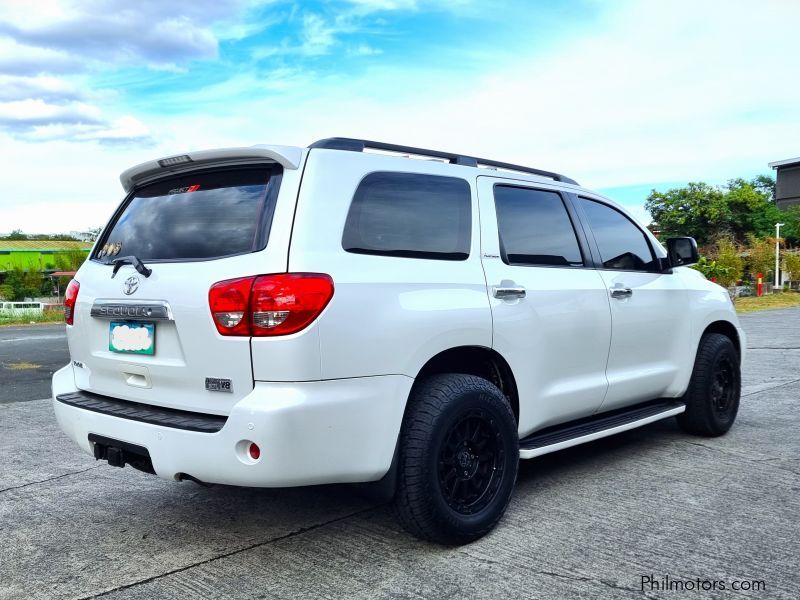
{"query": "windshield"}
(194, 216)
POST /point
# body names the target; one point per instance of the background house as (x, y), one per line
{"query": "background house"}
(787, 189)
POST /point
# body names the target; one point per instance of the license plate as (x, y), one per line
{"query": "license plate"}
(132, 338)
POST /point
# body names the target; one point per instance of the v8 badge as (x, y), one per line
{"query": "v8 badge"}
(216, 384)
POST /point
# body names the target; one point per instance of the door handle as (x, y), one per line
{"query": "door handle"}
(621, 292)
(508, 293)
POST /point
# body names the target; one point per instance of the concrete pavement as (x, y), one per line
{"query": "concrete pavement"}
(588, 522)
(29, 355)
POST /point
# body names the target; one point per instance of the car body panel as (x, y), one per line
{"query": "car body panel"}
(556, 338)
(326, 404)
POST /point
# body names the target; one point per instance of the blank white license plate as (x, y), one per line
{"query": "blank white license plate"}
(132, 337)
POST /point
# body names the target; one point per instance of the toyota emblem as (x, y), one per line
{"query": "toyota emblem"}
(130, 285)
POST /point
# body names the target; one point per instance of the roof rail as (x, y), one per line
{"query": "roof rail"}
(354, 145)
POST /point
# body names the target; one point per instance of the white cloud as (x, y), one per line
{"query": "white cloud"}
(38, 112)
(46, 52)
(45, 87)
(364, 50)
(24, 59)
(317, 36)
(653, 92)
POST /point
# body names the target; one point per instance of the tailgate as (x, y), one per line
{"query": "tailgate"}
(152, 339)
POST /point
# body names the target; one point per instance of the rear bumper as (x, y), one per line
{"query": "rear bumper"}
(333, 431)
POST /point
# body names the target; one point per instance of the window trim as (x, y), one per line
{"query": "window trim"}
(580, 236)
(599, 260)
(413, 254)
(262, 230)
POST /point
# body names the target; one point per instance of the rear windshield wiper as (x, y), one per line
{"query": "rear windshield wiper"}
(129, 260)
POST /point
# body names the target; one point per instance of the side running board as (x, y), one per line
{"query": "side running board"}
(597, 426)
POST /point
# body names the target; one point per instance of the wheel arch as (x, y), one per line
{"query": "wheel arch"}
(479, 361)
(727, 329)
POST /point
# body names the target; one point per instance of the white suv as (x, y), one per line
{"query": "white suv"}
(365, 312)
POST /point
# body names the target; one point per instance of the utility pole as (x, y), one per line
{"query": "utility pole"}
(778, 256)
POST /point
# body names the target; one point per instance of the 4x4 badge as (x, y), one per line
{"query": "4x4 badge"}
(130, 285)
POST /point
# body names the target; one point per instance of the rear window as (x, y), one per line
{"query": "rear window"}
(410, 215)
(195, 216)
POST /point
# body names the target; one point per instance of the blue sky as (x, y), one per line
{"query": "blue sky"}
(623, 96)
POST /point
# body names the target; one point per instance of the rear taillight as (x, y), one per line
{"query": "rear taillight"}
(230, 305)
(269, 305)
(70, 298)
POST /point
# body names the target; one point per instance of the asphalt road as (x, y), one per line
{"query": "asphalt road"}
(29, 356)
(589, 522)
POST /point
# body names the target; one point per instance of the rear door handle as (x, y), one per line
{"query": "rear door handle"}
(508, 293)
(621, 292)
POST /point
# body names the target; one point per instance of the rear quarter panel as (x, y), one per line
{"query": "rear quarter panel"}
(388, 315)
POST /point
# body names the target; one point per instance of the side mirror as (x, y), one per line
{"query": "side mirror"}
(682, 252)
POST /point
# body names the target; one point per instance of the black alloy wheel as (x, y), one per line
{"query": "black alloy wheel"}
(458, 459)
(712, 399)
(471, 463)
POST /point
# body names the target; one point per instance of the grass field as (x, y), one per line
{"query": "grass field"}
(50, 316)
(767, 302)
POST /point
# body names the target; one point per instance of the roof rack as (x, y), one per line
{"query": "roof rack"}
(354, 145)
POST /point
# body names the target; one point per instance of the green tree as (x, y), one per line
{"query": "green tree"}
(750, 211)
(764, 184)
(690, 210)
(16, 235)
(20, 285)
(790, 231)
(707, 212)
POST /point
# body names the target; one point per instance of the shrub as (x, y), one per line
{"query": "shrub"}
(791, 264)
(760, 256)
(722, 263)
(727, 254)
(713, 270)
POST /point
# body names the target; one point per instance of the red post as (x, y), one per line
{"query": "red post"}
(760, 286)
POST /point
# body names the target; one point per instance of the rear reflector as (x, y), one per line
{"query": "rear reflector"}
(70, 298)
(269, 305)
(254, 451)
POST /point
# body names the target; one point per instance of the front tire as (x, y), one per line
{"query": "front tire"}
(459, 455)
(712, 400)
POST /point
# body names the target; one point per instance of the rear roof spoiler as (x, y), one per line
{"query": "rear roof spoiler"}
(288, 157)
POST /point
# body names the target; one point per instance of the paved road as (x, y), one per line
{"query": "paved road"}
(588, 522)
(28, 357)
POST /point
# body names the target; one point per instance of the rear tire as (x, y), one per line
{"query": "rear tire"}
(712, 400)
(458, 461)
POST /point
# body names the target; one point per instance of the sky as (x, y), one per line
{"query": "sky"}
(623, 96)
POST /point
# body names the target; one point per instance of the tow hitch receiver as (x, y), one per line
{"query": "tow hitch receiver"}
(119, 453)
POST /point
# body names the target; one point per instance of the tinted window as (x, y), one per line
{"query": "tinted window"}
(195, 216)
(622, 244)
(411, 215)
(534, 228)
